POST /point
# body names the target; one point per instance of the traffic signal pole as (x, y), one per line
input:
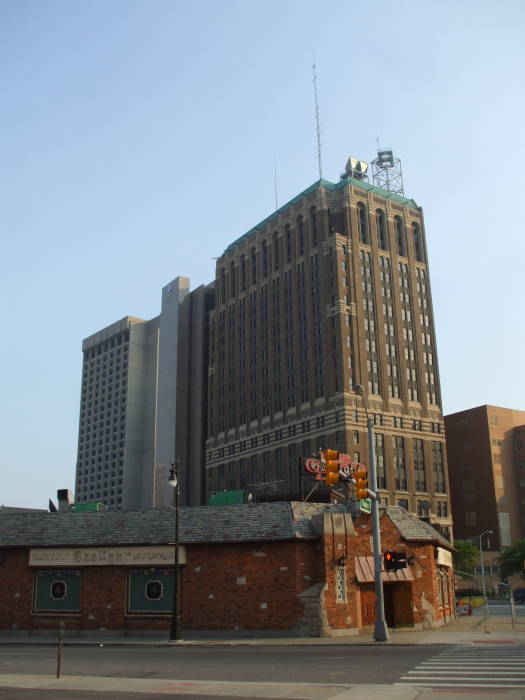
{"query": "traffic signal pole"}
(380, 627)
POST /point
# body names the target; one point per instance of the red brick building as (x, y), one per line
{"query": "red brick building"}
(290, 568)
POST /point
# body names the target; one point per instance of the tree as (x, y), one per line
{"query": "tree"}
(512, 560)
(465, 556)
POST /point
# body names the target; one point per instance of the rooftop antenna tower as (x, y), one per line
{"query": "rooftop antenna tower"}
(386, 171)
(317, 124)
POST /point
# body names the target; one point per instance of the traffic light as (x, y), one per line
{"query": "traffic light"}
(331, 465)
(388, 561)
(393, 561)
(361, 483)
(400, 560)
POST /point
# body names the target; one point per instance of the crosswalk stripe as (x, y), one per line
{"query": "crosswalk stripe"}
(463, 685)
(469, 665)
(469, 668)
(429, 677)
(430, 672)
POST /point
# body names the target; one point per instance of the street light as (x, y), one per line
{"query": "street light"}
(487, 532)
(176, 617)
(380, 627)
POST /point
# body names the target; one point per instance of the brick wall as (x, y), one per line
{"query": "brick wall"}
(225, 587)
(282, 586)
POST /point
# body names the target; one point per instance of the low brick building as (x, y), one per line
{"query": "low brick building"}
(289, 568)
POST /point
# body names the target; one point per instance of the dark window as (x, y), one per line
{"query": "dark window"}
(313, 226)
(382, 234)
(264, 259)
(439, 467)
(362, 223)
(399, 462)
(288, 242)
(58, 590)
(153, 590)
(419, 465)
(380, 460)
(275, 250)
(243, 273)
(300, 234)
(400, 236)
(418, 243)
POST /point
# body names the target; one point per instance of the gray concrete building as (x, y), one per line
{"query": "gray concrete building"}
(131, 405)
(330, 290)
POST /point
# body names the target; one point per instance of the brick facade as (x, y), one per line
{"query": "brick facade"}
(287, 586)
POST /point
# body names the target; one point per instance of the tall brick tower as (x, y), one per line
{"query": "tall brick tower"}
(330, 290)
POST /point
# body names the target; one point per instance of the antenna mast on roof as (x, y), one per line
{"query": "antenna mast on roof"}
(318, 125)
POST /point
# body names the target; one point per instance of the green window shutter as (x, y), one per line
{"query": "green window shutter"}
(57, 590)
(150, 592)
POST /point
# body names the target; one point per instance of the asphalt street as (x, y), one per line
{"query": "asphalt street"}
(312, 664)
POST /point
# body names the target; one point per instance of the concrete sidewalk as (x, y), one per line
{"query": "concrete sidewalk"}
(292, 691)
(464, 630)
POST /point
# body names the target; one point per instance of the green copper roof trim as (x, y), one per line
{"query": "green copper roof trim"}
(329, 186)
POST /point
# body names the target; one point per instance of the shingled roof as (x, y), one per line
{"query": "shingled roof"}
(204, 524)
(414, 529)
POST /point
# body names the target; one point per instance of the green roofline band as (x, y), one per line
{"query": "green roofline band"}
(329, 186)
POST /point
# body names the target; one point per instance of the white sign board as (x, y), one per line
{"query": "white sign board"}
(444, 557)
(106, 556)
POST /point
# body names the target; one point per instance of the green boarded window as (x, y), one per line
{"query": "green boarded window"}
(57, 590)
(150, 591)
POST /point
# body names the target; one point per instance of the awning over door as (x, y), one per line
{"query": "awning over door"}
(364, 569)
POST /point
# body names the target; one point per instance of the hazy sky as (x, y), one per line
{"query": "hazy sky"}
(138, 139)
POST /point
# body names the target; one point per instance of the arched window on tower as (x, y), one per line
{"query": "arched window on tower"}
(233, 283)
(382, 233)
(313, 226)
(300, 234)
(418, 243)
(400, 236)
(223, 285)
(253, 262)
(288, 240)
(243, 273)
(362, 223)
(264, 253)
(331, 227)
(275, 250)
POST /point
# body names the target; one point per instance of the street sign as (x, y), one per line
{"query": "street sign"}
(365, 505)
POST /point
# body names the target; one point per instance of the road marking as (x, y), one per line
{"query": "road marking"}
(470, 664)
(432, 672)
(455, 685)
(461, 668)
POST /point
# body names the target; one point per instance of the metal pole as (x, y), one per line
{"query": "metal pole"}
(487, 532)
(61, 628)
(176, 618)
(380, 628)
(482, 569)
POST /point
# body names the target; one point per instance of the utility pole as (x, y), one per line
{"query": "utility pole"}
(380, 626)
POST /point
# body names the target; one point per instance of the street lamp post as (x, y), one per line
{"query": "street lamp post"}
(380, 627)
(487, 532)
(176, 617)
